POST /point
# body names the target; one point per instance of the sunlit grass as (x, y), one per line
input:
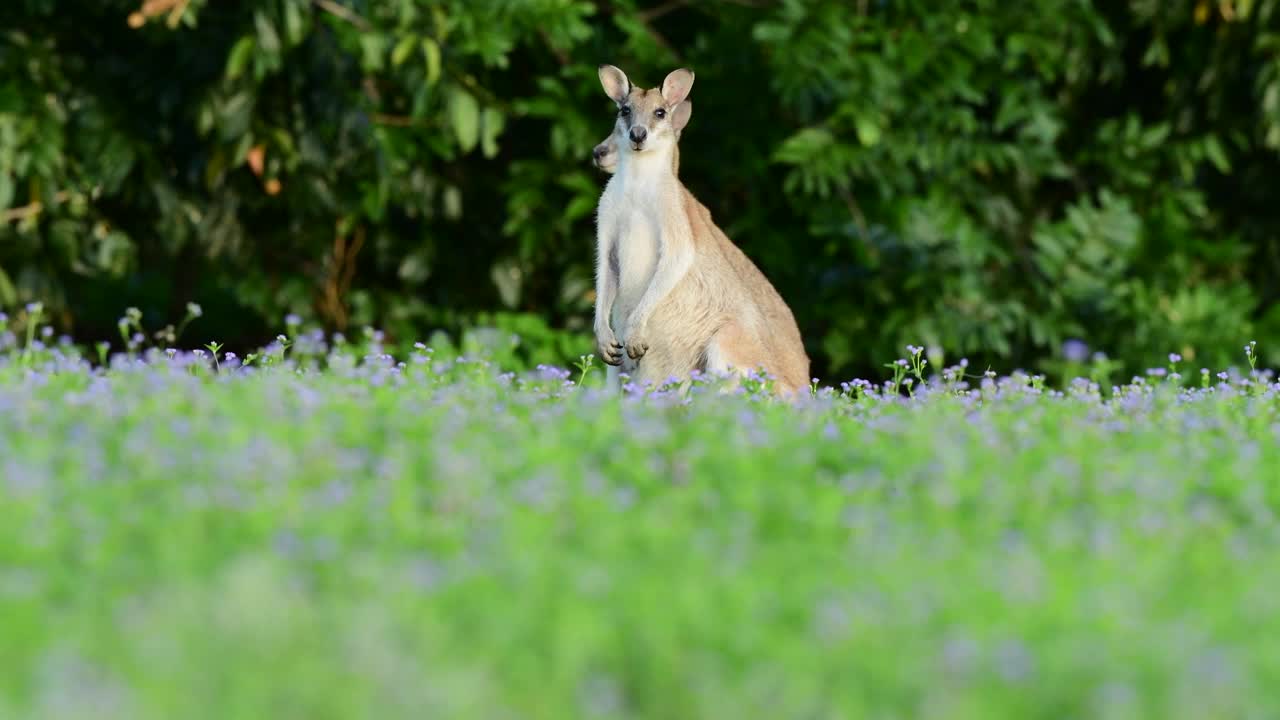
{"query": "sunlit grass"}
(333, 532)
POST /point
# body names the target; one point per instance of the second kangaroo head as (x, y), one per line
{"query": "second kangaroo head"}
(652, 119)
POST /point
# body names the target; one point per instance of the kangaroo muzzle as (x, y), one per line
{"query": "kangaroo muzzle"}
(603, 156)
(637, 136)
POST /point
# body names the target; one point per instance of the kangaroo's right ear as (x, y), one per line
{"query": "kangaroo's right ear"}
(677, 86)
(615, 82)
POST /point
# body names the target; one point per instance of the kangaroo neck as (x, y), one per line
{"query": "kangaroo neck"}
(653, 169)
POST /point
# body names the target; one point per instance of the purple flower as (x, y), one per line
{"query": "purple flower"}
(1075, 350)
(292, 320)
(1175, 358)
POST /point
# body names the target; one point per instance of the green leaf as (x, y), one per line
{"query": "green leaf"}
(295, 28)
(6, 190)
(1217, 155)
(239, 56)
(867, 129)
(492, 123)
(804, 145)
(402, 49)
(464, 115)
(234, 116)
(580, 207)
(373, 48)
(431, 49)
(452, 200)
(268, 38)
(8, 294)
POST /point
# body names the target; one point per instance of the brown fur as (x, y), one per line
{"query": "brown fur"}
(680, 294)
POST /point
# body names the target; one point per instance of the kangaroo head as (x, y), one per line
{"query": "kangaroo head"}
(605, 155)
(648, 120)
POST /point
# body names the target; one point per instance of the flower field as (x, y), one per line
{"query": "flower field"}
(323, 530)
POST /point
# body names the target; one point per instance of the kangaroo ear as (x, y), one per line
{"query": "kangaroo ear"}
(615, 82)
(680, 115)
(677, 86)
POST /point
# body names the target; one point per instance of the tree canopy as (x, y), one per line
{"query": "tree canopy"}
(989, 178)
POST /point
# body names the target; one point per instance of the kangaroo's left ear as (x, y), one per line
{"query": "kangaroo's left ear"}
(677, 86)
(681, 114)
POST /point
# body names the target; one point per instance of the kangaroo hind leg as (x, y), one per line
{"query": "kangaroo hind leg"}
(733, 353)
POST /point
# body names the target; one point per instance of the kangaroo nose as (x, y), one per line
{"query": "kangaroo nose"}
(599, 152)
(638, 134)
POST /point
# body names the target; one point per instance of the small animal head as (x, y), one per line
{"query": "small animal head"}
(605, 155)
(648, 119)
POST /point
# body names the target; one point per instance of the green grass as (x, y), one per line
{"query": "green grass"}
(438, 540)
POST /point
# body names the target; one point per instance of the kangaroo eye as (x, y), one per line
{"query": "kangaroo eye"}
(660, 113)
(625, 110)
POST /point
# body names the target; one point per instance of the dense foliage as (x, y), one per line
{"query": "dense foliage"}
(323, 531)
(989, 178)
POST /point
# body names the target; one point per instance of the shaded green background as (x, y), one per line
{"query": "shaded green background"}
(989, 178)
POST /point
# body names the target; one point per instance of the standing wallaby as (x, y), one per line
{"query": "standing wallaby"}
(679, 293)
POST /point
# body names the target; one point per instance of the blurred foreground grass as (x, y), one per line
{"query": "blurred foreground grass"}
(433, 538)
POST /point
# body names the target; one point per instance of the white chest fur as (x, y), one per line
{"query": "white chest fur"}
(635, 196)
(637, 246)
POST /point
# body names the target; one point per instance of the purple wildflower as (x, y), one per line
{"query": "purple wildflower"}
(1075, 350)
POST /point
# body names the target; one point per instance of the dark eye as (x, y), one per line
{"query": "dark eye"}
(660, 113)
(625, 110)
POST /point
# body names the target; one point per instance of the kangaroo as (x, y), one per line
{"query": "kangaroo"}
(605, 156)
(680, 294)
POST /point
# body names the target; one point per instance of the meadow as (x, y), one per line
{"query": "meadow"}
(330, 529)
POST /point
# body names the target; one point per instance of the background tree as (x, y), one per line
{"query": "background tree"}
(988, 178)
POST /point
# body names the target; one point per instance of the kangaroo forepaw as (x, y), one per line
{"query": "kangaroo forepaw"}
(636, 349)
(609, 348)
(612, 353)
